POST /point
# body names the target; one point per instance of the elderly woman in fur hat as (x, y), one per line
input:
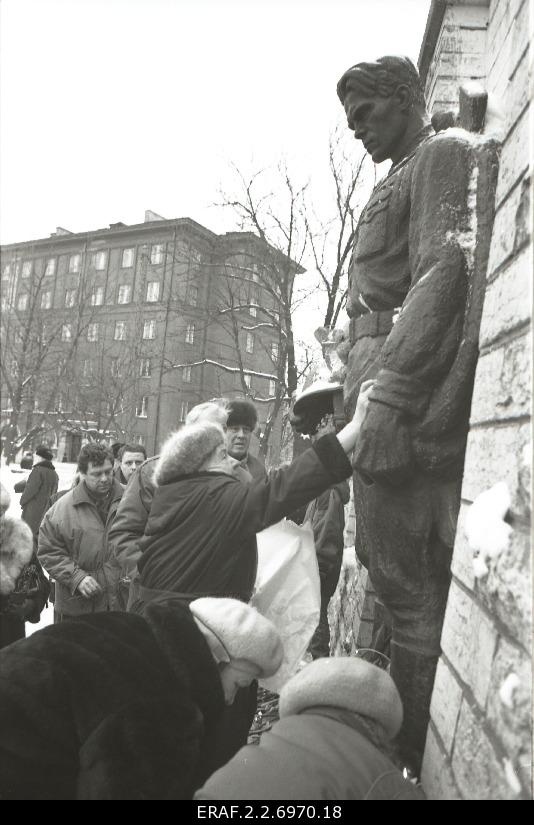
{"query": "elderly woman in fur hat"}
(200, 537)
(115, 706)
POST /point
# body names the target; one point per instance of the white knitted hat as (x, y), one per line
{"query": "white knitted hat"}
(235, 630)
(345, 682)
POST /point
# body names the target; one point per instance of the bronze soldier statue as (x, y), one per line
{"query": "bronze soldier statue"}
(416, 285)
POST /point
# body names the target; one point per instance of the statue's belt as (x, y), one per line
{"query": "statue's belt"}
(371, 325)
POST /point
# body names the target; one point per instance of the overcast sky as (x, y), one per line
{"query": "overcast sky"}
(111, 107)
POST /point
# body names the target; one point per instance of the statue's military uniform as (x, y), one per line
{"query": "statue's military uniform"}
(415, 307)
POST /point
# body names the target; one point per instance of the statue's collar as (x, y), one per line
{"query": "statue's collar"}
(422, 135)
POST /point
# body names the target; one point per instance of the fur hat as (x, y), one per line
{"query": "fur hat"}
(187, 450)
(235, 630)
(16, 546)
(241, 412)
(44, 452)
(349, 683)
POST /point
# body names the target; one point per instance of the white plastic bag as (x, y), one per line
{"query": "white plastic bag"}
(288, 591)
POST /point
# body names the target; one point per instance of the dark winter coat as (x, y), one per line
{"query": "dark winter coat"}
(200, 537)
(321, 753)
(326, 515)
(41, 484)
(73, 544)
(112, 706)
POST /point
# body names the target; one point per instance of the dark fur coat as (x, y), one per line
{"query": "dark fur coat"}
(108, 706)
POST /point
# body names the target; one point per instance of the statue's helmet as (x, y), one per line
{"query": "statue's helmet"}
(315, 402)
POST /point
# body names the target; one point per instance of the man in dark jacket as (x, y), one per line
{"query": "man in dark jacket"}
(117, 706)
(337, 717)
(41, 484)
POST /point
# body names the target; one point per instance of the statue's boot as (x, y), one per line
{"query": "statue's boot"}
(413, 674)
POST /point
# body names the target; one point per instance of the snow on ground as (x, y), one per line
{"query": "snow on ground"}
(9, 476)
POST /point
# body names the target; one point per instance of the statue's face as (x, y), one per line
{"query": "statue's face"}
(379, 122)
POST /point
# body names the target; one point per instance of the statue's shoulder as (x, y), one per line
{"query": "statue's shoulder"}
(449, 141)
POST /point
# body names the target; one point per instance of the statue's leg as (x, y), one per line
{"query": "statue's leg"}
(407, 536)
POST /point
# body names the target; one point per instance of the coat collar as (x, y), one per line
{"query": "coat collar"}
(44, 463)
(81, 496)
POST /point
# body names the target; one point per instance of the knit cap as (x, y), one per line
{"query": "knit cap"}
(234, 630)
(345, 682)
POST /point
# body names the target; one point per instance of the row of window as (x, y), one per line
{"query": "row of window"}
(96, 298)
(141, 409)
(120, 332)
(98, 261)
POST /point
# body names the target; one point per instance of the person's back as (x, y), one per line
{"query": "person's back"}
(94, 709)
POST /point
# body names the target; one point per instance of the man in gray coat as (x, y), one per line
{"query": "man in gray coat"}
(73, 546)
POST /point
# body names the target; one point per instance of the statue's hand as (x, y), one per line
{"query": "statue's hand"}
(383, 450)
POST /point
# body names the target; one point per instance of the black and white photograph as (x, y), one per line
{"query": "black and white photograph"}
(266, 403)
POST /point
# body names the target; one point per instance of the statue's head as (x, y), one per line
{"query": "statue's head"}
(382, 99)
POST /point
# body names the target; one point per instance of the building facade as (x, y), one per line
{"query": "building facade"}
(117, 333)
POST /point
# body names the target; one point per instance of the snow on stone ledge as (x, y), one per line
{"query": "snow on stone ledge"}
(487, 533)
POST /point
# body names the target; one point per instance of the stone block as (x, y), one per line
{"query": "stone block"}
(437, 778)
(478, 770)
(515, 158)
(507, 590)
(462, 560)
(502, 384)
(494, 454)
(507, 48)
(475, 17)
(510, 711)
(510, 92)
(445, 705)
(469, 641)
(504, 242)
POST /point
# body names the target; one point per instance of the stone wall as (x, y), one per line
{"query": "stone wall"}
(479, 744)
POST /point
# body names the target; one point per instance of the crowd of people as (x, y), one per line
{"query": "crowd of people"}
(145, 686)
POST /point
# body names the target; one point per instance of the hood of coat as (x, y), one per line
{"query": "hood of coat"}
(188, 655)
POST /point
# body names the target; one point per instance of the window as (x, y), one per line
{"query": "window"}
(275, 352)
(87, 368)
(272, 387)
(156, 253)
(46, 300)
(141, 410)
(97, 296)
(250, 342)
(26, 269)
(127, 258)
(22, 302)
(190, 334)
(14, 369)
(66, 332)
(247, 377)
(115, 367)
(184, 409)
(50, 268)
(74, 263)
(276, 316)
(120, 331)
(6, 272)
(192, 295)
(152, 291)
(145, 368)
(139, 439)
(92, 332)
(149, 330)
(99, 259)
(186, 375)
(125, 294)
(255, 272)
(70, 297)
(37, 404)
(253, 311)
